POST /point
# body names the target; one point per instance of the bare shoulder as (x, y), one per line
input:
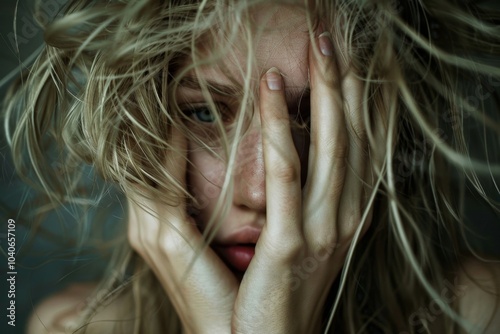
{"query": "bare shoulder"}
(60, 312)
(56, 313)
(479, 303)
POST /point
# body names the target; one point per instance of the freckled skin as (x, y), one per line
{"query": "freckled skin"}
(284, 45)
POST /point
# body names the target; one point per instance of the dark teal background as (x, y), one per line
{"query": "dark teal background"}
(44, 267)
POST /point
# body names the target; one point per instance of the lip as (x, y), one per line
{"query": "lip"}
(238, 249)
(245, 235)
(238, 257)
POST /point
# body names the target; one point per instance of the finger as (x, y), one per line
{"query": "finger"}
(173, 216)
(263, 293)
(203, 296)
(353, 202)
(168, 240)
(282, 164)
(328, 145)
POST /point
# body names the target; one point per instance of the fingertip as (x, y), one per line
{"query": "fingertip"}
(274, 79)
(325, 44)
(272, 96)
(323, 69)
(321, 47)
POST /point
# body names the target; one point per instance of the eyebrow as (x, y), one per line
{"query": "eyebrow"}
(293, 95)
(212, 86)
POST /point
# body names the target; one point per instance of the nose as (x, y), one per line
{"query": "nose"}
(249, 174)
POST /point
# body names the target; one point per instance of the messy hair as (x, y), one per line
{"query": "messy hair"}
(103, 92)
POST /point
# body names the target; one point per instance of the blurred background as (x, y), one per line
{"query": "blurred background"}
(46, 265)
(30, 283)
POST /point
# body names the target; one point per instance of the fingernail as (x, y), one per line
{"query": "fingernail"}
(274, 80)
(326, 44)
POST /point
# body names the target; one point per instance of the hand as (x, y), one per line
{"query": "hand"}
(168, 240)
(308, 231)
(302, 247)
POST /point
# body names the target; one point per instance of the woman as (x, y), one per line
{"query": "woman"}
(287, 166)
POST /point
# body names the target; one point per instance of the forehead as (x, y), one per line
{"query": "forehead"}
(278, 37)
(284, 40)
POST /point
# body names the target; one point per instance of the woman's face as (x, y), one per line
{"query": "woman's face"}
(283, 45)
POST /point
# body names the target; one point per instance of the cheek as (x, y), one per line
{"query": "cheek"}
(205, 178)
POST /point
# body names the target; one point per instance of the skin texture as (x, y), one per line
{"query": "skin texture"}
(298, 221)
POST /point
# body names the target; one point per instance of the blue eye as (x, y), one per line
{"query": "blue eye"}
(203, 114)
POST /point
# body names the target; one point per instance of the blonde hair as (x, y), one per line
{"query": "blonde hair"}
(103, 91)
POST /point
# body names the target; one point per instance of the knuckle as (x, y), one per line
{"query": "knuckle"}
(339, 150)
(172, 244)
(326, 76)
(330, 80)
(350, 225)
(290, 251)
(322, 239)
(336, 187)
(336, 148)
(285, 171)
(326, 243)
(285, 248)
(359, 133)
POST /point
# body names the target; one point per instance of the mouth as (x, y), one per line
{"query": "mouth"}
(237, 257)
(237, 249)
